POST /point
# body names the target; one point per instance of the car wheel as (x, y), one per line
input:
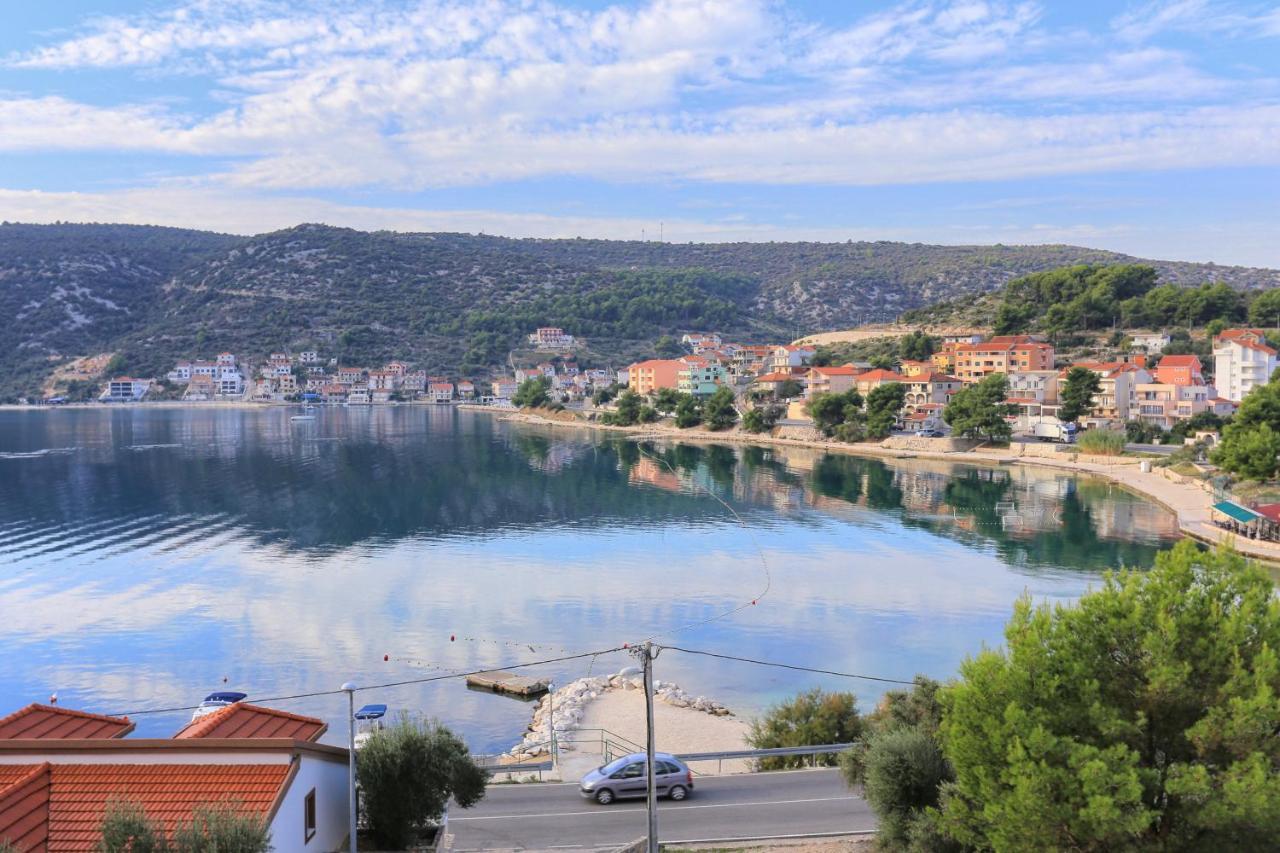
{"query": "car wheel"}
(604, 796)
(678, 792)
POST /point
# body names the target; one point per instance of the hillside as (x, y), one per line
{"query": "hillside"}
(457, 303)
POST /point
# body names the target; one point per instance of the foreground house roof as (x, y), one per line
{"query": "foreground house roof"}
(52, 722)
(60, 768)
(242, 720)
(59, 807)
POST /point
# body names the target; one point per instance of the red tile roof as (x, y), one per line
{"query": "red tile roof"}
(242, 720)
(24, 805)
(774, 377)
(846, 370)
(1180, 361)
(1247, 344)
(70, 799)
(881, 376)
(49, 721)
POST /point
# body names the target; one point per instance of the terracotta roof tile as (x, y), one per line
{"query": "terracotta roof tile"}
(78, 794)
(242, 720)
(49, 721)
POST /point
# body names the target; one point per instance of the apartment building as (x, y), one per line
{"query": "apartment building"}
(1242, 360)
(1002, 354)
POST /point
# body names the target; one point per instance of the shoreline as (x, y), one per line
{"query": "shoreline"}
(1188, 500)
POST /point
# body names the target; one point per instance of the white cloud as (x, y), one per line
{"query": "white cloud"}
(410, 94)
(1201, 17)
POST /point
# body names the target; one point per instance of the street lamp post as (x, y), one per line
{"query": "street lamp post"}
(350, 690)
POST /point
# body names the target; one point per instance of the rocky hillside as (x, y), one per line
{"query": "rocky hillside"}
(459, 303)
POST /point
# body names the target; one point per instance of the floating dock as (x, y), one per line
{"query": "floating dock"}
(508, 682)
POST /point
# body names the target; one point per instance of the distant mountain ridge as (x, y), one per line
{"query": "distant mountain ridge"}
(459, 302)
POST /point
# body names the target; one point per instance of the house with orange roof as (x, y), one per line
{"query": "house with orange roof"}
(1242, 360)
(60, 768)
(771, 383)
(645, 377)
(829, 380)
(870, 379)
(915, 368)
(1002, 354)
(1179, 370)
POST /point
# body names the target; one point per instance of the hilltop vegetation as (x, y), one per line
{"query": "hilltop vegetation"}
(459, 304)
(1087, 297)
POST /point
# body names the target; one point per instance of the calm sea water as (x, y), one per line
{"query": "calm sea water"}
(148, 557)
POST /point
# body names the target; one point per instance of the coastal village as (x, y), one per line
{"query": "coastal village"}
(1137, 382)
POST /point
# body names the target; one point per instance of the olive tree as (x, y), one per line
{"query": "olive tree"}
(810, 718)
(408, 772)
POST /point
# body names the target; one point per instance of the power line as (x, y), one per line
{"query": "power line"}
(790, 666)
(383, 686)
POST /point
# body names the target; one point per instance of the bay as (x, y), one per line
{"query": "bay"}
(149, 556)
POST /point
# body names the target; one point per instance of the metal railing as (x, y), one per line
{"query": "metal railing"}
(774, 752)
(612, 746)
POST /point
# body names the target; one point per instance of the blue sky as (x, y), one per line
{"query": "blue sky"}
(1151, 127)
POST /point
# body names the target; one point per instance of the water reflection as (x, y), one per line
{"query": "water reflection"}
(174, 548)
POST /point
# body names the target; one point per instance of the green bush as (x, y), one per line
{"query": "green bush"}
(905, 770)
(811, 718)
(7, 846)
(408, 772)
(761, 419)
(1141, 717)
(1101, 442)
(533, 393)
(125, 828)
(719, 410)
(222, 828)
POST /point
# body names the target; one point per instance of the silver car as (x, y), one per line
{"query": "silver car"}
(625, 777)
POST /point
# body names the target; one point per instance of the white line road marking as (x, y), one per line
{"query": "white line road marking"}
(606, 811)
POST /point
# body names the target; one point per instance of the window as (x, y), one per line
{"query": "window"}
(309, 816)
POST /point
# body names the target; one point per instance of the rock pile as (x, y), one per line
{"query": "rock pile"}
(568, 706)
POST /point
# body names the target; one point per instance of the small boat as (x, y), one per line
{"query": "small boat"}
(217, 701)
(302, 418)
(368, 721)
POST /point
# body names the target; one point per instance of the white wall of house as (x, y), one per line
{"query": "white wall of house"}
(1239, 369)
(328, 778)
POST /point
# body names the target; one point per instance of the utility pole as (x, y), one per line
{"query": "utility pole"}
(551, 723)
(350, 689)
(647, 653)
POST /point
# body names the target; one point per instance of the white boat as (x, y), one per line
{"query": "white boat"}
(302, 418)
(216, 701)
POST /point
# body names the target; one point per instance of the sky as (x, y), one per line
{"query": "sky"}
(1148, 127)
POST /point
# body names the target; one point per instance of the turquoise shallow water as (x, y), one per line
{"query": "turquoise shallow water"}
(148, 557)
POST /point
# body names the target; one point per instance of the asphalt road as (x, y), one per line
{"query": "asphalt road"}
(1163, 449)
(721, 808)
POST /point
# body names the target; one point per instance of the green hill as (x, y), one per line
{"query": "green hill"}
(458, 303)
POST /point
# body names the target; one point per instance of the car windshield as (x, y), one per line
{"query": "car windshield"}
(614, 766)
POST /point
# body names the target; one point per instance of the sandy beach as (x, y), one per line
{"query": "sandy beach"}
(677, 730)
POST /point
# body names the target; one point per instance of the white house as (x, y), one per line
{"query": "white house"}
(551, 338)
(181, 373)
(1242, 361)
(59, 768)
(1152, 342)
